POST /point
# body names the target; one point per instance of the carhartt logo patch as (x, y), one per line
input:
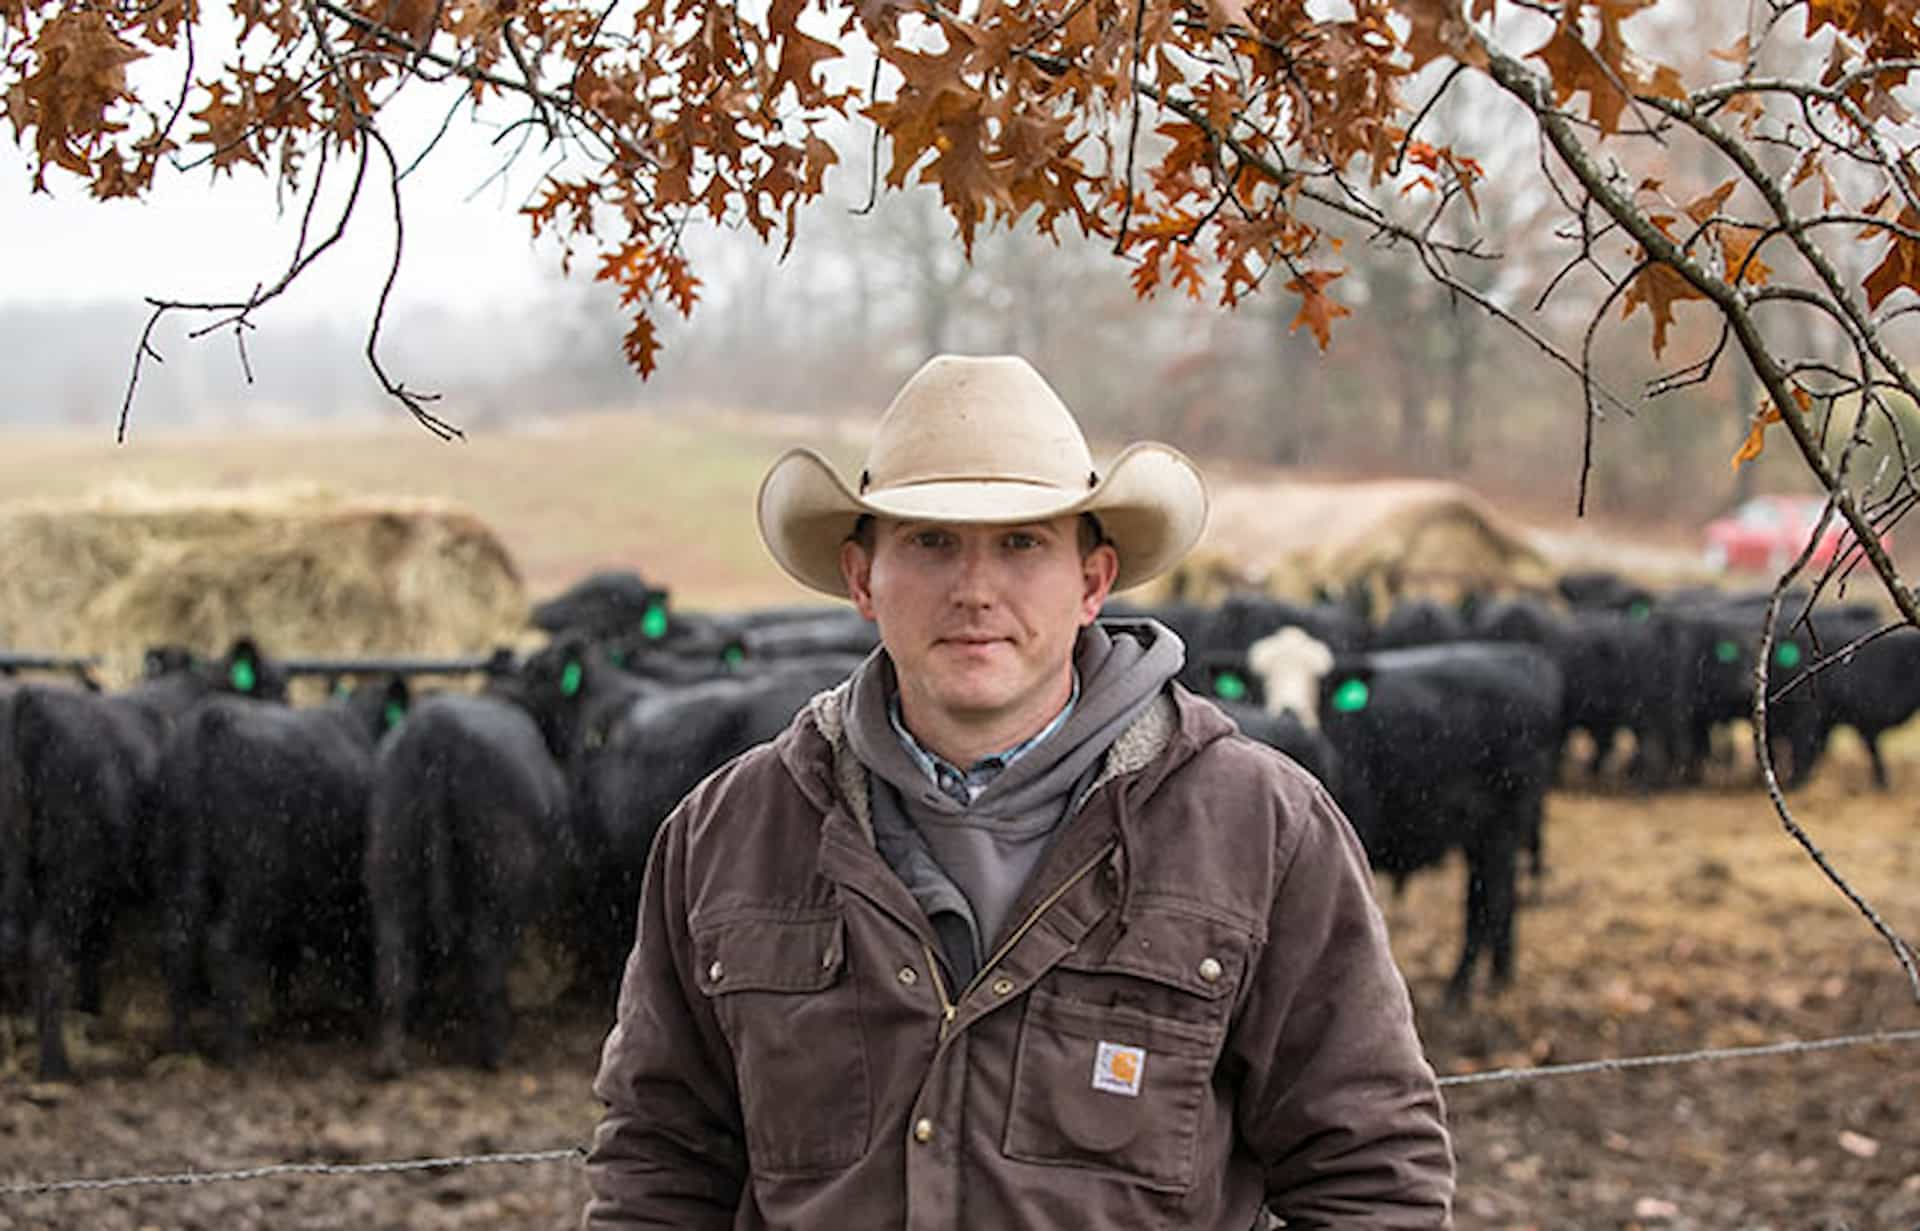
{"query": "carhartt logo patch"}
(1117, 1069)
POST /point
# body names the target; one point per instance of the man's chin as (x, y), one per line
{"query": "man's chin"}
(973, 700)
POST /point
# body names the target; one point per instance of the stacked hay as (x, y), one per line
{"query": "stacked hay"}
(1396, 537)
(302, 569)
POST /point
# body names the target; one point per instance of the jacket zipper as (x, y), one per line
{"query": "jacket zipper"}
(948, 1008)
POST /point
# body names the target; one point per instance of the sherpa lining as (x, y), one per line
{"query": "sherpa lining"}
(1143, 740)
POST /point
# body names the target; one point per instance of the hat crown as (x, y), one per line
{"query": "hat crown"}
(980, 419)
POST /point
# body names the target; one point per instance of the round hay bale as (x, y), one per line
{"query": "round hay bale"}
(302, 570)
(1398, 537)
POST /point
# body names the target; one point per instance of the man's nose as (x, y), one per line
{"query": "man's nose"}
(975, 579)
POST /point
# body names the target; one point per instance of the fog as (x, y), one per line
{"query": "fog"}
(1413, 382)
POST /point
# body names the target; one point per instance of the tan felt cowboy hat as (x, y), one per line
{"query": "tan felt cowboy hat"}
(982, 440)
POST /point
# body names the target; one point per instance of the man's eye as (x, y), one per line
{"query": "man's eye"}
(1023, 542)
(932, 540)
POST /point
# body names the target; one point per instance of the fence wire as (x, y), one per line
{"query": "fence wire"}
(578, 1153)
(1704, 1056)
(393, 1167)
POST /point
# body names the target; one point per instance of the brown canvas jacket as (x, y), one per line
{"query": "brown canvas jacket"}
(1193, 1012)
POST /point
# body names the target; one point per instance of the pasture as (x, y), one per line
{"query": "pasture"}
(1666, 923)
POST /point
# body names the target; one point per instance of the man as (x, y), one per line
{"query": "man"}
(1008, 930)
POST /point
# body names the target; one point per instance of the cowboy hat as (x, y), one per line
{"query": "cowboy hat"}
(982, 440)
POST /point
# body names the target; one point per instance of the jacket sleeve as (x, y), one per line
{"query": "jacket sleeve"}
(1338, 1101)
(669, 1150)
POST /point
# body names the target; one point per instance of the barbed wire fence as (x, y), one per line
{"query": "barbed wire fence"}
(577, 1154)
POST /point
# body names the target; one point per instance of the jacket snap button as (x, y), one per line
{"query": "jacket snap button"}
(923, 1131)
(1210, 970)
(715, 971)
(1002, 986)
(908, 976)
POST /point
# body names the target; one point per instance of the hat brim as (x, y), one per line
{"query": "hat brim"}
(1152, 504)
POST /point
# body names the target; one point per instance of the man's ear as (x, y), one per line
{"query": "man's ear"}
(1098, 568)
(856, 569)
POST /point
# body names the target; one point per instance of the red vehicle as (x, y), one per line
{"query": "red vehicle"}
(1767, 533)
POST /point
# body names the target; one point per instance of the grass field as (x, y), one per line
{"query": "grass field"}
(671, 496)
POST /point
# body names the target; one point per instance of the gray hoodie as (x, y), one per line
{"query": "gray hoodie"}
(965, 865)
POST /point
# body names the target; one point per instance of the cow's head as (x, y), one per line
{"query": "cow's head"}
(248, 672)
(1290, 664)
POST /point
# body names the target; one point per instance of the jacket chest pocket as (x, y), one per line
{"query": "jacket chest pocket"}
(780, 992)
(1115, 1066)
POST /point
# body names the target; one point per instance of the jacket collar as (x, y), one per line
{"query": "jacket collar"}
(817, 754)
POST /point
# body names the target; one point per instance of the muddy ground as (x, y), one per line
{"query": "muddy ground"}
(1666, 923)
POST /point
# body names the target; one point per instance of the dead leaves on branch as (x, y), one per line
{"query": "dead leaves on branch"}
(77, 80)
(1607, 70)
(683, 112)
(1756, 440)
(1713, 240)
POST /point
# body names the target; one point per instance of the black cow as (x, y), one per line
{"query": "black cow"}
(845, 632)
(13, 937)
(1600, 590)
(1625, 673)
(1715, 638)
(1448, 747)
(265, 837)
(468, 841)
(607, 605)
(1872, 689)
(1191, 622)
(1524, 620)
(635, 757)
(81, 842)
(1286, 732)
(1416, 622)
(1243, 619)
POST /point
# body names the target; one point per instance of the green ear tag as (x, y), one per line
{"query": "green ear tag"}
(341, 691)
(395, 714)
(1726, 652)
(1639, 609)
(733, 656)
(1351, 697)
(653, 625)
(570, 679)
(1228, 686)
(1787, 653)
(243, 676)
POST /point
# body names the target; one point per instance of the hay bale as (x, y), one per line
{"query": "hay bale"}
(1398, 537)
(302, 569)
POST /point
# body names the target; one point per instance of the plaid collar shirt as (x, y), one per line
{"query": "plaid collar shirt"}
(964, 786)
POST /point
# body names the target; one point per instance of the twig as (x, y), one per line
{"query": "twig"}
(1133, 127)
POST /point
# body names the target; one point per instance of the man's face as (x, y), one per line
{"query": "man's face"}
(979, 620)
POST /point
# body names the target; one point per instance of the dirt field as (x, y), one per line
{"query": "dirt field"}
(1666, 924)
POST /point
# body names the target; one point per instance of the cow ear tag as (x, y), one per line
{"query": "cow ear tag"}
(570, 678)
(1351, 697)
(1726, 651)
(1787, 653)
(395, 714)
(242, 675)
(1640, 609)
(1228, 686)
(733, 655)
(653, 625)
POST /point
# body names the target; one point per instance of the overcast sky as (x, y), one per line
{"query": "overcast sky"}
(196, 237)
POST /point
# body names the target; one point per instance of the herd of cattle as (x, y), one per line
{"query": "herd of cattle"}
(398, 842)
